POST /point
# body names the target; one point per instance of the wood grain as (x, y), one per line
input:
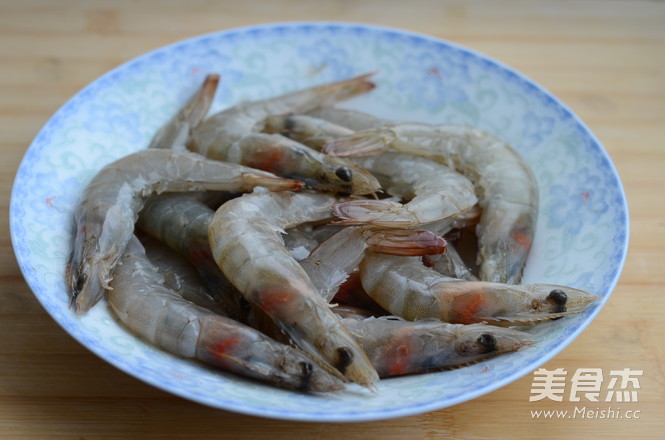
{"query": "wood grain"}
(604, 58)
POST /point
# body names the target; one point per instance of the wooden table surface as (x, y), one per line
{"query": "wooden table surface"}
(605, 59)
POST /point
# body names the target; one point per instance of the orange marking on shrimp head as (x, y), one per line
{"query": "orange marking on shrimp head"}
(222, 349)
(521, 237)
(273, 299)
(269, 160)
(467, 307)
(400, 357)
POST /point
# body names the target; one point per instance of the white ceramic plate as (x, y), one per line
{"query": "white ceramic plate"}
(582, 230)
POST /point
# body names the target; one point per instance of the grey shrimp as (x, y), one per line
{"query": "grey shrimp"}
(506, 188)
(245, 239)
(106, 213)
(162, 317)
(234, 135)
(397, 347)
(405, 287)
(434, 191)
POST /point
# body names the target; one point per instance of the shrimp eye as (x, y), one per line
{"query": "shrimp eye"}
(289, 123)
(488, 342)
(344, 173)
(557, 297)
(80, 281)
(307, 370)
(344, 359)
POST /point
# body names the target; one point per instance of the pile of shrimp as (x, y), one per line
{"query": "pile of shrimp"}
(293, 242)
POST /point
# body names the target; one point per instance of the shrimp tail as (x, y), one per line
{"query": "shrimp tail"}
(200, 103)
(335, 92)
(176, 134)
(406, 242)
(364, 143)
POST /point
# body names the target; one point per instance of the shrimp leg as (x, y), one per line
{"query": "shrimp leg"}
(506, 188)
(160, 316)
(105, 215)
(405, 287)
(245, 239)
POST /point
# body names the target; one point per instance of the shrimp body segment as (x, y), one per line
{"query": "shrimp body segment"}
(405, 287)
(160, 316)
(397, 347)
(245, 239)
(233, 135)
(506, 188)
(107, 211)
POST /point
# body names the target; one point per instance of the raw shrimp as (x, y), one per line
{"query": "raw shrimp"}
(405, 287)
(434, 191)
(233, 135)
(506, 188)
(179, 274)
(330, 263)
(176, 133)
(105, 215)
(245, 238)
(398, 347)
(181, 222)
(160, 316)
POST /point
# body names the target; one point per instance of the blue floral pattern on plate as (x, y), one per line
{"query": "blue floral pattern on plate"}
(582, 229)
